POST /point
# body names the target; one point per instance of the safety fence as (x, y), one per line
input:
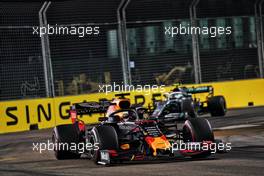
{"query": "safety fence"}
(127, 44)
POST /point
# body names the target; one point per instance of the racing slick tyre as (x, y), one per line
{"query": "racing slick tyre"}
(217, 106)
(198, 130)
(102, 138)
(63, 136)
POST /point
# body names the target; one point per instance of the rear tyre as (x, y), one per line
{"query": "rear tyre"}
(198, 130)
(104, 138)
(65, 135)
(217, 106)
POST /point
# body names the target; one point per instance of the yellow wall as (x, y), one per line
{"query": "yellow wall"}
(48, 112)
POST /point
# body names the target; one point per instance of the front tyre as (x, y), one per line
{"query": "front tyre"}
(198, 130)
(102, 138)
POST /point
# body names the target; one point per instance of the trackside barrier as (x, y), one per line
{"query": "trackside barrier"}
(24, 115)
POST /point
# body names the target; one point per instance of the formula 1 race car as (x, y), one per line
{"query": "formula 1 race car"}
(184, 100)
(126, 134)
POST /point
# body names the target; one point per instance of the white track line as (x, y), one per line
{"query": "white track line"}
(236, 127)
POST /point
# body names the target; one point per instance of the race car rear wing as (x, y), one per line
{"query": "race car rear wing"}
(201, 89)
(90, 107)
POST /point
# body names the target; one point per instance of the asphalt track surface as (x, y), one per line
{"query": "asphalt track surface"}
(245, 159)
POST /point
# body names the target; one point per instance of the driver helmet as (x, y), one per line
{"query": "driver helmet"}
(125, 116)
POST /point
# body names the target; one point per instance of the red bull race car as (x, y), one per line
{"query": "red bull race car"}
(128, 134)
